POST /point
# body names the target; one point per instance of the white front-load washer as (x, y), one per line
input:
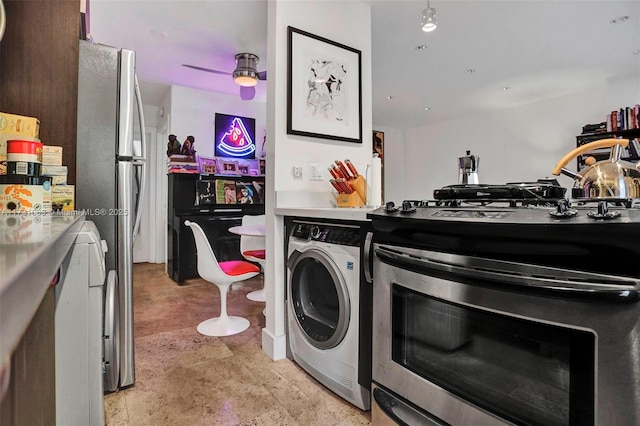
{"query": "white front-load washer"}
(323, 306)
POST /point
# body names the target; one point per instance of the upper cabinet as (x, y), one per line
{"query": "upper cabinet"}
(39, 69)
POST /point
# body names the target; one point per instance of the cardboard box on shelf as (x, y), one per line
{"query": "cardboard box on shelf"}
(51, 155)
(63, 197)
(19, 125)
(58, 174)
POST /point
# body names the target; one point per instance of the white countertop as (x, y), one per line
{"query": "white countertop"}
(340, 213)
(32, 247)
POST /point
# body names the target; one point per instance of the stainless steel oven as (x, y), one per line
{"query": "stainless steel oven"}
(483, 318)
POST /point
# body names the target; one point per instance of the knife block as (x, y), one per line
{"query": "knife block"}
(356, 199)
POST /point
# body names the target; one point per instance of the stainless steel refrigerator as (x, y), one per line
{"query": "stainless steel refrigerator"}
(110, 184)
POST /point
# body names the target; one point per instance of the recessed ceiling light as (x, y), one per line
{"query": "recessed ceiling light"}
(619, 19)
(427, 108)
(389, 98)
(506, 88)
(470, 71)
(159, 34)
(636, 52)
(421, 47)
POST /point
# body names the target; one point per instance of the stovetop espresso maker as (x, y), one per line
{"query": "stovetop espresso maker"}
(468, 169)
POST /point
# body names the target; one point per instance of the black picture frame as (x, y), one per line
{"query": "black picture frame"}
(324, 88)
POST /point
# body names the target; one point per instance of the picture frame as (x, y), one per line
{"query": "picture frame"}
(378, 148)
(208, 165)
(227, 167)
(324, 88)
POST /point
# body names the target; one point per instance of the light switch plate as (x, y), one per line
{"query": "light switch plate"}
(316, 171)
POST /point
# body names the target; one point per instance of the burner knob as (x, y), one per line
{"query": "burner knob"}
(562, 210)
(603, 212)
(408, 207)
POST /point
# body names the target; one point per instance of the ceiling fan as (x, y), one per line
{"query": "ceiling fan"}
(245, 74)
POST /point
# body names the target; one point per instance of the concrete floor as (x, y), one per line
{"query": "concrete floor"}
(185, 378)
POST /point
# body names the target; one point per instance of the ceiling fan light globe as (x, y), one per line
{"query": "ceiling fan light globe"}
(245, 80)
(429, 19)
(245, 73)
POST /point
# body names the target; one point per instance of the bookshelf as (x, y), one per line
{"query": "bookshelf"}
(602, 154)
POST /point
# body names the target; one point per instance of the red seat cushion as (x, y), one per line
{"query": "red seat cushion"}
(254, 253)
(238, 267)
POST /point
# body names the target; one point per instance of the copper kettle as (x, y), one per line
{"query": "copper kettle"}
(612, 178)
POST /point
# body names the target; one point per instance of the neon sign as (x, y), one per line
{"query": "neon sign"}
(234, 138)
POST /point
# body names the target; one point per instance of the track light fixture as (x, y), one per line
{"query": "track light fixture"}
(429, 19)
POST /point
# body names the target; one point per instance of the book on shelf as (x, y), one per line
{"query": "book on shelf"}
(206, 192)
(225, 191)
(250, 192)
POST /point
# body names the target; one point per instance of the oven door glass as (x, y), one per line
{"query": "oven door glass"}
(526, 372)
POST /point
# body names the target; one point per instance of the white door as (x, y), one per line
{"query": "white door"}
(143, 245)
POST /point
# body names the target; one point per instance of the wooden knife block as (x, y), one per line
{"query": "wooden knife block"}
(359, 196)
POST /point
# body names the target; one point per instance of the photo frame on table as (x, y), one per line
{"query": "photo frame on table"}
(324, 96)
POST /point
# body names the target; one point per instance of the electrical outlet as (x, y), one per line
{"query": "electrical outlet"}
(297, 172)
(316, 171)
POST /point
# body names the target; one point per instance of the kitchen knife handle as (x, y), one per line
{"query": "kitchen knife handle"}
(338, 172)
(352, 168)
(335, 185)
(344, 170)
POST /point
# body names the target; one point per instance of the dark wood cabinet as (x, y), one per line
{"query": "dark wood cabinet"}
(39, 69)
(39, 78)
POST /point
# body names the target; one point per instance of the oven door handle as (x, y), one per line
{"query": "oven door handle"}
(401, 413)
(534, 278)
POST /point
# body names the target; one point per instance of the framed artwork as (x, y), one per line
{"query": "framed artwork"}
(378, 148)
(324, 96)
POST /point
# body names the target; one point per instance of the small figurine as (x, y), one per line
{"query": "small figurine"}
(187, 146)
(173, 146)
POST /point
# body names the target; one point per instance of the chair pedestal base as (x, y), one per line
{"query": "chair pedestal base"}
(258, 295)
(223, 326)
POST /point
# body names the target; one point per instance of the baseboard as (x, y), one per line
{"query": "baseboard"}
(274, 346)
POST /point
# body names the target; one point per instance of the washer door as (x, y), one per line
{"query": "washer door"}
(319, 298)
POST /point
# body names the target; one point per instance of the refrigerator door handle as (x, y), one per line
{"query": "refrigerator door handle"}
(127, 94)
(140, 161)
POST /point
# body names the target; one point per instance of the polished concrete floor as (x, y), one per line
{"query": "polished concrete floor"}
(185, 378)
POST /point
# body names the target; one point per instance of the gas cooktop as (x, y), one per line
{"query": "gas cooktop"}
(543, 201)
(541, 190)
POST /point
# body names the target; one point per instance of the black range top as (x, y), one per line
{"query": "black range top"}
(528, 223)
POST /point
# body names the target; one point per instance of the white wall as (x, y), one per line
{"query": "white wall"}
(522, 143)
(346, 22)
(193, 113)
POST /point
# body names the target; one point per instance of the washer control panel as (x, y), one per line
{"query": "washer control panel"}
(333, 234)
